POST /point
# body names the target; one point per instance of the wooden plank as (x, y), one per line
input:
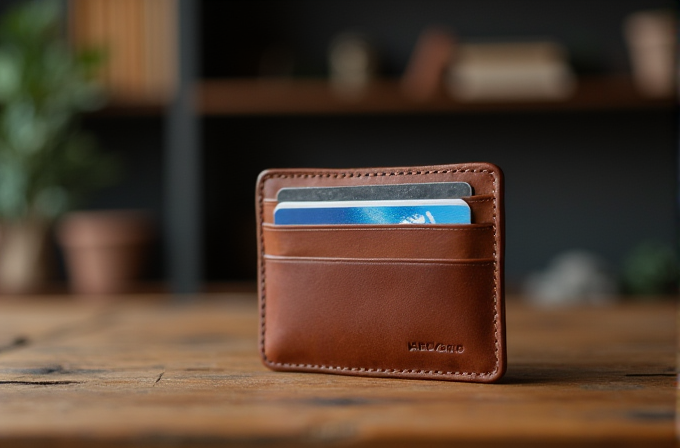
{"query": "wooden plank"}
(150, 373)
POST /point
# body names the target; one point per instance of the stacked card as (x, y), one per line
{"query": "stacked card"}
(425, 203)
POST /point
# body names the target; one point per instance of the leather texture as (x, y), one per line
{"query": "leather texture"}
(407, 301)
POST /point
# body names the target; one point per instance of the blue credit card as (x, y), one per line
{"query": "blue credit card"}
(421, 211)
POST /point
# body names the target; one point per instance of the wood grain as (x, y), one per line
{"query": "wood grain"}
(159, 373)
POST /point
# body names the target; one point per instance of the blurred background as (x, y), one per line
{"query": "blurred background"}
(574, 100)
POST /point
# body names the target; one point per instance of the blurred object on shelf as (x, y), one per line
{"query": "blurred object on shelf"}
(424, 74)
(651, 38)
(140, 37)
(650, 269)
(106, 250)
(513, 71)
(353, 64)
(571, 278)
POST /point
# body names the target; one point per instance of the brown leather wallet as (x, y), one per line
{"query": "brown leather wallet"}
(422, 301)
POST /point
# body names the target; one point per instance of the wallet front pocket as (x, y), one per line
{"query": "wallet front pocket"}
(406, 317)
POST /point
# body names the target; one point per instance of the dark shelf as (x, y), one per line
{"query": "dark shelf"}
(245, 96)
(315, 96)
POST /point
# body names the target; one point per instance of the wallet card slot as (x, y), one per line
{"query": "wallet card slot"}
(467, 241)
(381, 317)
(482, 207)
(391, 260)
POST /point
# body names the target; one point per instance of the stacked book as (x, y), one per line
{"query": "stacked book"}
(139, 38)
(510, 71)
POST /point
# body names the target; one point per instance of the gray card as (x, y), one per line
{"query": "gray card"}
(432, 190)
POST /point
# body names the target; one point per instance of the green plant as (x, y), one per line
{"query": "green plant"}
(651, 268)
(48, 163)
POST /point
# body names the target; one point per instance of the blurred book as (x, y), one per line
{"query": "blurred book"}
(140, 41)
(510, 71)
(432, 54)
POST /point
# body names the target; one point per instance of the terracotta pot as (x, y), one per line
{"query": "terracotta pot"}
(104, 251)
(25, 265)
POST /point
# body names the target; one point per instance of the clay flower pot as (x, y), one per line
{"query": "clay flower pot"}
(104, 251)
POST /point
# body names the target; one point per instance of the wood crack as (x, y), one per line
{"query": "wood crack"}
(39, 383)
(650, 374)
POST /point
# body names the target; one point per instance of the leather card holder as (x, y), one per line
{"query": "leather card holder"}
(404, 301)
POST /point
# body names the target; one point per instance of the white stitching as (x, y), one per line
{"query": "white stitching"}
(369, 370)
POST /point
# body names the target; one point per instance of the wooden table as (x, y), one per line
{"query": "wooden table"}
(148, 371)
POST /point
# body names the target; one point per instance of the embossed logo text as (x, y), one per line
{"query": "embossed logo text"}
(435, 347)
